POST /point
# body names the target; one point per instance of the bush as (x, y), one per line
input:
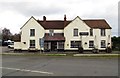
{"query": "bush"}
(108, 50)
(95, 50)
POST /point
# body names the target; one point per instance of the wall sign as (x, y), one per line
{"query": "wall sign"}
(83, 33)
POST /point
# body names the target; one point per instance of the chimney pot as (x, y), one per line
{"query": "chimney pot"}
(65, 18)
(44, 18)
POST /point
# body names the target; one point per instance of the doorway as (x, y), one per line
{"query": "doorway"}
(53, 46)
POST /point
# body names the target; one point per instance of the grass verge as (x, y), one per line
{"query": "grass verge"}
(64, 55)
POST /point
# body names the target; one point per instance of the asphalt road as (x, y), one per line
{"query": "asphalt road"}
(58, 66)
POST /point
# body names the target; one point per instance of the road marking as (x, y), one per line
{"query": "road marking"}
(25, 70)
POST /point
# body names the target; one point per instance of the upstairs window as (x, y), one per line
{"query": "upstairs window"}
(102, 32)
(32, 32)
(103, 44)
(51, 32)
(75, 32)
(91, 32)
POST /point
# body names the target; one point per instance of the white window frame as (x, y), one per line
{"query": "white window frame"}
(103, 32)
(91, 45)
(75, 32)
(103, 43)
(32, 33)
(32, 44)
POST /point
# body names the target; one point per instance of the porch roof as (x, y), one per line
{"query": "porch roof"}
(55, 37)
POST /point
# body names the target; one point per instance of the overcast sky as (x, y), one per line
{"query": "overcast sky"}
(14, 13)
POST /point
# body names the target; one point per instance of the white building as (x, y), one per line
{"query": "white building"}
(64, 34)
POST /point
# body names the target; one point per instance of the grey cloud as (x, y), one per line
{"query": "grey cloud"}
(28, 8)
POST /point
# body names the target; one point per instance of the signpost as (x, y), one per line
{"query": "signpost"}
(41, 43)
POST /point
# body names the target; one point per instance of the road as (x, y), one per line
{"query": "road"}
(58, 66)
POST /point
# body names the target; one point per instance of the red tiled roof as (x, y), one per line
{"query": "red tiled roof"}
(58, 24)
(97, 23)
(55, 24)
(55, 37)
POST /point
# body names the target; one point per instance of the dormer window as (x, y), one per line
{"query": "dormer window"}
(75, 32)
(51, 32)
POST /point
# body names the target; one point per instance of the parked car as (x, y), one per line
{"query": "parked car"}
(11, 44)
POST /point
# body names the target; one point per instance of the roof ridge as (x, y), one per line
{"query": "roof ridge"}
(93, 19)
(54, 20)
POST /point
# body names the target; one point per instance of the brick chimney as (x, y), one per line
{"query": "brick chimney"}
(65, 20)
(44, 18)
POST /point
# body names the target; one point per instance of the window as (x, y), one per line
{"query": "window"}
(102, 32)
(32, 32)
(91, 32)
(75, 44)
(60, 45)
(103, 44)
(91, 44)
(46, 45)
(51, 32)
(32, 43)
(75, 32)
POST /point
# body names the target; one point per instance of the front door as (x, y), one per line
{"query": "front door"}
(53, 46)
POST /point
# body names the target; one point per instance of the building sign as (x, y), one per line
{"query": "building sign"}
(83, 33)
(41, 42)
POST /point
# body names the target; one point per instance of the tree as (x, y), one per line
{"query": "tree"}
(16, 37)
(116, 43)
(6, 34)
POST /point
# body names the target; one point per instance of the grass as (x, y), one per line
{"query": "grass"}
(65, 55)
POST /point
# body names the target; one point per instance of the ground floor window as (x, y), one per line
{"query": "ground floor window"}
(32, 43)
(75, 44)
(46, 45)
(60, 45)
(53, 45)
(103, 44)
(91, 44)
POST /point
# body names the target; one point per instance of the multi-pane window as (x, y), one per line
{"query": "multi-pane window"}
(91, 44)
(32, 32)
(46, 45)
(60, 45)
(91, 32)
(103, 44)
(102, 32)
(32, 43)
(75, 44)
(51, 32)
(75, 32)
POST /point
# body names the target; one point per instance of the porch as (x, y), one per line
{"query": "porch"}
(54, 42)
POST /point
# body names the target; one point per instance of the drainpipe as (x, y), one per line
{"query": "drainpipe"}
(96, 45)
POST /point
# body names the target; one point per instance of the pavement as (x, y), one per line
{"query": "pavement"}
(58, 66)
(5, 49)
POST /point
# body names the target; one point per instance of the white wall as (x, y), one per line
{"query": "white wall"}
(68, 32)
(25, 36)
(82, 27)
